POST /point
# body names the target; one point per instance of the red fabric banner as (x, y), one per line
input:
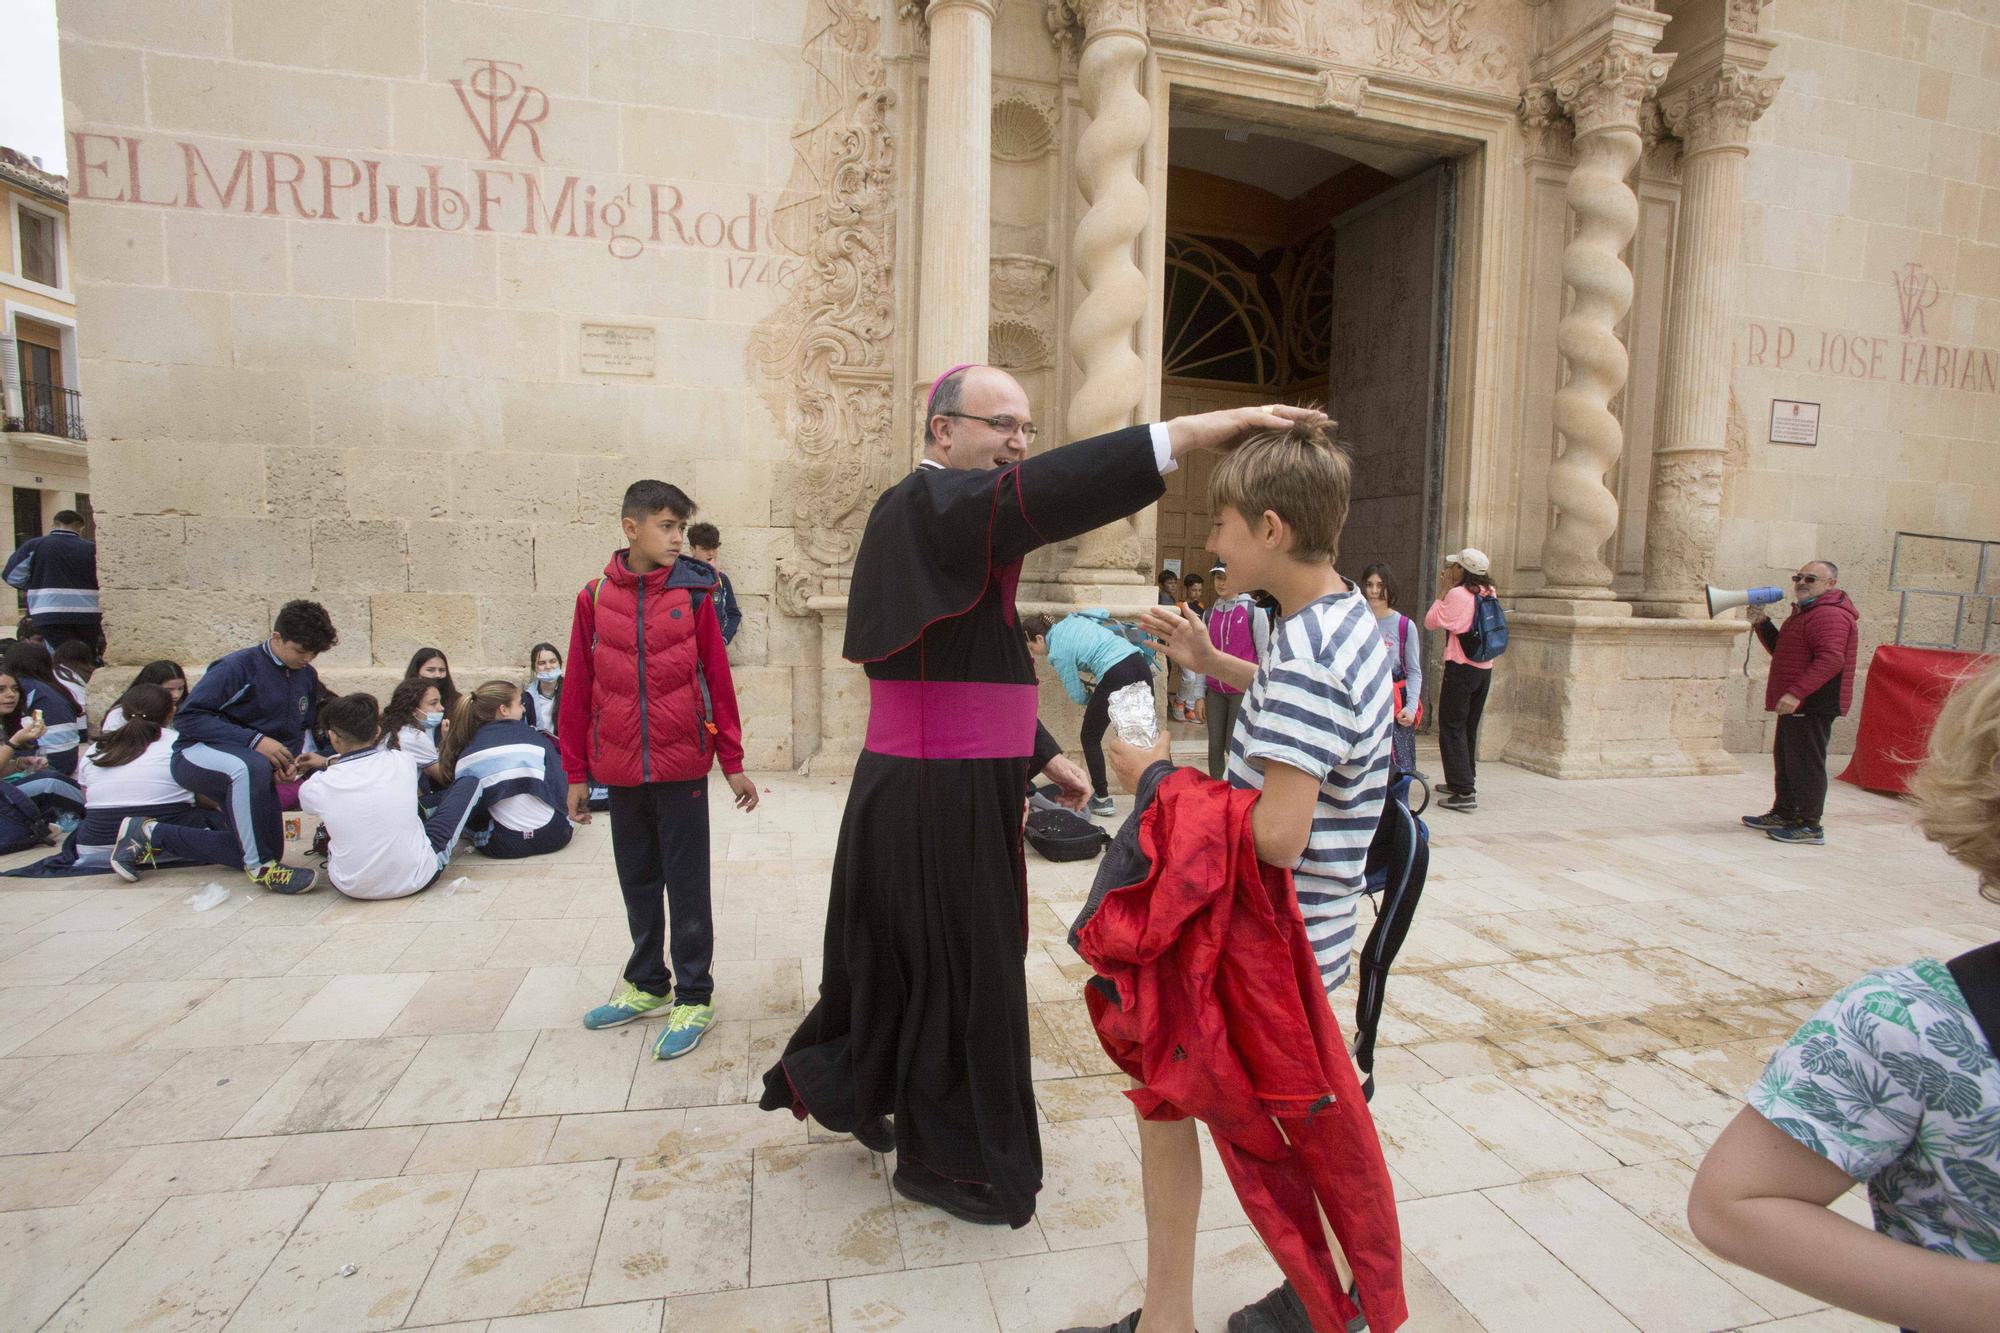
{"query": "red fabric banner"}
(1906, 688)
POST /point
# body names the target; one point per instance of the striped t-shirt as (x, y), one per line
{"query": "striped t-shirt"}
(1323, 701)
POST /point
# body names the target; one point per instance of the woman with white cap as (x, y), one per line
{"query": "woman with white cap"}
(1462, 698)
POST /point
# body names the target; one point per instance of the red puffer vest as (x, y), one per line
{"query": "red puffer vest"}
(651, 714)
(1813, 656)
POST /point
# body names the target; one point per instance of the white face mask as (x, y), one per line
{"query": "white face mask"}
(431, 720)
(547, 676)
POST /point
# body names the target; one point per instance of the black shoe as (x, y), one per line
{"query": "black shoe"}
(1464, 804)
(876, 1134)
(1129, 1324)
(1762, 822)
(1281, 1311)
(964, 1200)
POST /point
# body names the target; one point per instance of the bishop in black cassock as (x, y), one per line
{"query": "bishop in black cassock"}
(923, 1007)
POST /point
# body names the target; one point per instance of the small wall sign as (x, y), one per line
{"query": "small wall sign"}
(1794, 422)
(617, 349)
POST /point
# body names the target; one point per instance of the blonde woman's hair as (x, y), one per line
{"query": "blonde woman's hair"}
(1302, 475)
(1958, 787)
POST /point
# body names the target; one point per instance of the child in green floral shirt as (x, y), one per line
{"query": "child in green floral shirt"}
(1893, 1083)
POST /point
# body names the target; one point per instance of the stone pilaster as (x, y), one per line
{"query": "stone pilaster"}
(1712, 114)
(953, 280)
(1103, 330)
(1602, 87)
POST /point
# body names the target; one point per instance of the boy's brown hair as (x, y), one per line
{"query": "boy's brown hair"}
(1302, 475)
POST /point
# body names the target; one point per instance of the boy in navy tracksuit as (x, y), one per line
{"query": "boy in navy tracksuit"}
(59, 574)
(240, 732)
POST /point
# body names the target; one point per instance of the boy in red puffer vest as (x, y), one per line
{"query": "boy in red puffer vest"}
(649, 706)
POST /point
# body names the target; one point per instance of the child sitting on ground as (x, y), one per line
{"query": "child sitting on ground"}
(544, 691)
(366, 800)
(515, 771)
(127, 778)
(167, 675)
(410, 724)
(1895, 1082)
(241, 731)
(44, 699)
(76, 662)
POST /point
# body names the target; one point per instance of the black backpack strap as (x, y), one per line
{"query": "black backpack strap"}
(1978, 976)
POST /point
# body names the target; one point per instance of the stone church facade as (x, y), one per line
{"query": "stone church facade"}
(385, 302)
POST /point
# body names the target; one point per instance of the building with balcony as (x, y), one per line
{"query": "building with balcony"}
(43, 459)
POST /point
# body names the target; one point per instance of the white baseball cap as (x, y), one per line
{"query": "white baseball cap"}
(1472, 560)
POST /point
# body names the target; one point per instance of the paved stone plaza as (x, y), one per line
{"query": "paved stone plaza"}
(208, 1116)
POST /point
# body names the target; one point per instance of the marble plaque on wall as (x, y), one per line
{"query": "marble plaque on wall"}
(617, 349)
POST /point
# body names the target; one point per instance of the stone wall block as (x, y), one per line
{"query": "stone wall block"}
(201, 403)
(793, 640)
(383, 484)
(443, 416)
(117, 244)
(752, 645)
(292, 333)
(139, 478)
(305, 484)
(513, 622)
(563, 418)
(266, 103)
(391, 337)
(155, 325)
(111, 81)
(348, 410)
(402, 622)
(143, 552)
(750, 553)
(353, 36)
(471, 557)
(187, 626)
(266, 555)
(353, 555)
(333, 259)
(568, 555)
(764, 701)
(225, 252)
(539, 487)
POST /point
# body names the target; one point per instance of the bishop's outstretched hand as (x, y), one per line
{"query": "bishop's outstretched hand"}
(1220, 430)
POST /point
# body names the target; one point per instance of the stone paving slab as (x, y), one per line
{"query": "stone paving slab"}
(204, 1116)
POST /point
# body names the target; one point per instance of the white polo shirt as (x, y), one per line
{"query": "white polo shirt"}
(368, 802)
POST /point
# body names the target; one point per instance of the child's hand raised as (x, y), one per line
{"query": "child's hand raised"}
(1179, 633)
(745, 789)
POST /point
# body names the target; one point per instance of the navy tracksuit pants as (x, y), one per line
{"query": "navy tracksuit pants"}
(30, 805)
(242, 783)
(659, 842)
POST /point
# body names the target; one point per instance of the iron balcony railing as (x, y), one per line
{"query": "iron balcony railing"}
(50, 409)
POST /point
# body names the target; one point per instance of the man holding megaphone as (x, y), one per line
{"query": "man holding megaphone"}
(1811, 684)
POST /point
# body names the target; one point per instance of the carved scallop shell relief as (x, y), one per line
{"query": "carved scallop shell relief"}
(1023, 127)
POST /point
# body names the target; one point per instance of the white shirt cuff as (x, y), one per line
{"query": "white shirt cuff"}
(1163, 451)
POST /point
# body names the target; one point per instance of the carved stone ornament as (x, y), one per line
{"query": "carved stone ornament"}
(1287, 24)
(1745, 15)
(1342, 92)
(1717, 111)
(1022, 285)
(1017, 345)
(1071, 21)
(1024, 126)
(823, 357)
(1607, 90)
(1546, 127)
(1660, 152)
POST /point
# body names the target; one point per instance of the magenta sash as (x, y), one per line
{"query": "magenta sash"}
(951, 719)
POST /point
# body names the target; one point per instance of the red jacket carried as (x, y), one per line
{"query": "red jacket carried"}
(1208, 993)
(1812, 657)
(648, 697)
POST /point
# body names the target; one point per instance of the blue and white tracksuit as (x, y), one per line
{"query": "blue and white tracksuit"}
(505, 760)
(30, 804)
(59, 574)
(239, 700)
(60, 743)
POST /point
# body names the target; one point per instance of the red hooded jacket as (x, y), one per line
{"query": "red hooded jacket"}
(1208, 993)
(648, 697)
(1812, 656)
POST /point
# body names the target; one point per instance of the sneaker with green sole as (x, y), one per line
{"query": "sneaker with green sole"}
(629, 1003)
(686, 1025)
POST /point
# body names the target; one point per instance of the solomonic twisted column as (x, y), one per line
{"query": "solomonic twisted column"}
(1603, 95)
(1103, 330)
(1712, 115)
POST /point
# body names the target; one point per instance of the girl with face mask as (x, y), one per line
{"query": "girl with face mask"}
(543, 694)
(410, 723)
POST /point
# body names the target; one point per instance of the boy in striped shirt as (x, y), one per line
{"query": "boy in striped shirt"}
(1313, 737)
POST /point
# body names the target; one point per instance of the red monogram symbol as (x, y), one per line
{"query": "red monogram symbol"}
(494, 88)
(1916, 292)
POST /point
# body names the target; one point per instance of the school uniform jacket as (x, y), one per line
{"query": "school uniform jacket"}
(247, 695)
(513, 759)
(59, 572)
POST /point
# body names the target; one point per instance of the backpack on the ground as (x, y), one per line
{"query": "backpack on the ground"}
(1487, 638)
(1064, 835)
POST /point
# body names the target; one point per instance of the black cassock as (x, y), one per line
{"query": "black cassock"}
(923, 1005)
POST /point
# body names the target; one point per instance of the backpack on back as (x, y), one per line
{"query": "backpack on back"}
(1487, 638)
(1236, 636)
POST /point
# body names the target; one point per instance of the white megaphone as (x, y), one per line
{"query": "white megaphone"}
(1728, 599)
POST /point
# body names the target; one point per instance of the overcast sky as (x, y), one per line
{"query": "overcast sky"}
(31, 111)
